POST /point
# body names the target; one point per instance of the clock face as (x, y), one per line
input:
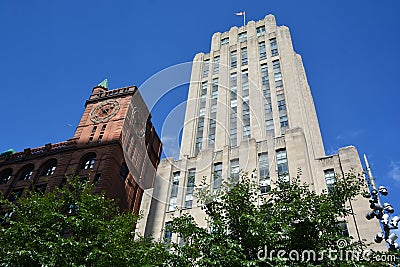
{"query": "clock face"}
(138, 120)
(104, 111)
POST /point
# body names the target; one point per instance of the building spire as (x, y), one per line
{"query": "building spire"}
(104, 84)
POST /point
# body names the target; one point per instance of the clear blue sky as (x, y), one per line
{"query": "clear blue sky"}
(53, 52)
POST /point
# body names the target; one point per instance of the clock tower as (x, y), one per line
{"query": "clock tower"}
(115, 146)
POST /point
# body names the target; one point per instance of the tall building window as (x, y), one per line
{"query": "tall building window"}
(262, 50)
(233, 110)
(206, 66)
(168, 231)
(245, 83)
(203, 91)
(214, 89)
(282, 164)
(225, 41)
(242, 37)
(278, 77)
(246, 120)
(243, 53)
(282, 105)
(260, 31)
(264, 76)
(274, 47)
(216, 65)
(344, 229)
(200, 123)
(213, 113)
(267, 108)
(263, 166)
(190, 188)
(217, 176)
(233, 80)
(233, 126)
(330, 179)
(234, 177)
(284, 123)
(174, 191)
(233, 59)
(211, 134)
(269, 123)
(199, 135)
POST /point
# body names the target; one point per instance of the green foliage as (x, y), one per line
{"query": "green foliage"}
(71, 226)
(290, 217)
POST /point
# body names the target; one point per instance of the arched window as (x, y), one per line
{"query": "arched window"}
(48, 168)
(5, 175)
(87, 162)
(26, 172)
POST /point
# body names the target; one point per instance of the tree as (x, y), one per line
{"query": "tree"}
(71, 226)
(249, 230)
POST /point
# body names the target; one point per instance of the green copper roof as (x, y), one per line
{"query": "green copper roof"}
(8, 152)
(104, 84)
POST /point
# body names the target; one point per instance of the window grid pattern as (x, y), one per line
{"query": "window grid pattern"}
(89, 164)
(265, 180)
(216, 65)
(213, 113)
(282, 165)
(269, 121)
(283, 118)
(174, 192)
(244, 57)
(278, 76)
(225, 41)
(168, 231)
(206, 66)
(330, 179)
(262, 50)
(233, 59)
(260, 31)
(242, 37)
(50, 170)
(274, 47)
(190, 188)
(200, 122)
(217, 176)
(233, 109)
(234, 170)
(245, 105)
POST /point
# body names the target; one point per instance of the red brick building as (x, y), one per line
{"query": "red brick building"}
(115, 146)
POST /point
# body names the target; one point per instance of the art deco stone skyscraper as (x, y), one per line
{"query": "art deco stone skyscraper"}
(249, 107)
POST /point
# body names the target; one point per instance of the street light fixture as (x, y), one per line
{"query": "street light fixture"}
(381, 212)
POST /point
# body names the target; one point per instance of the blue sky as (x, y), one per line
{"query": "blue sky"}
(52, 53)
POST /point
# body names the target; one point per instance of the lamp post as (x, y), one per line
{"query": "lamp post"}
(381, 212)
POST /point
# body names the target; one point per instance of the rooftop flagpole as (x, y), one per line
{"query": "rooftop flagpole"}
(242, 13)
